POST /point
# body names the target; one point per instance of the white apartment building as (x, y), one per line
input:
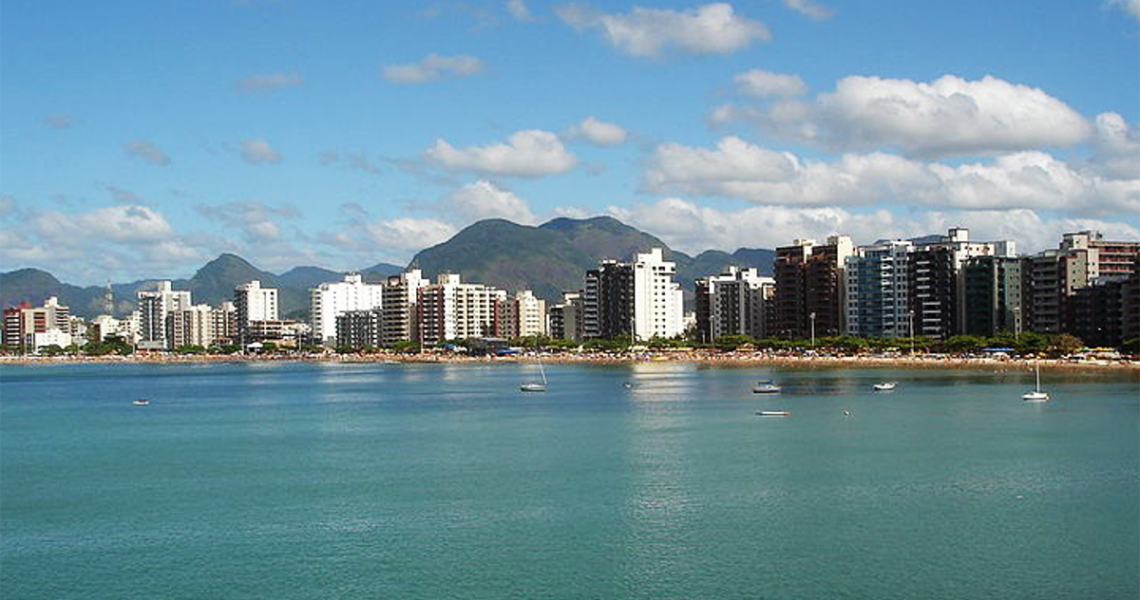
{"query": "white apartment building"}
(253, 303)
(658, 309)
(192, 326)
(154, 306)
(452, 310)
(329, 300)
(530, 312)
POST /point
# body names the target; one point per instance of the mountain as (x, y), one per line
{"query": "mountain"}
(548, 259)
(307, 277)
(554, 256)
(380, 271)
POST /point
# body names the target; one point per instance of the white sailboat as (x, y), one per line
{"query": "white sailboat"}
(534, 386)
(1036, 395)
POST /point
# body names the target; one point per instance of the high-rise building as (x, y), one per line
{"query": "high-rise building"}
(328, 300)
(524, 315)
(223, 323)
(253, 303)
(733, 303)
(452, 310)
(639, 297)
(933, 287)
(191, 326)
(359, 328)
(565, 319)
(28, 328)
(1095, 313)
(401, 293)
(878, 299)
(809, 292)
(154, 306)
(993, 295)
(1130, 304)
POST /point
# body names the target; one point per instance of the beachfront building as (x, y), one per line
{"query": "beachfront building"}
(809, 288)
(154, 307)
(223, 323)
(359, 328)
(1082, 259)
(191, 326)
(523, 315)
(564, 321)
(639, 297)
(328, 300)
(933, 288)
(28, 328)
(992, 295)
(736, 302)
(452, 310)
(254, 303)
(400, 321)
(878, 302)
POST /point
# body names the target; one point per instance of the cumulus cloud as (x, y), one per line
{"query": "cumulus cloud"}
(692, 228)
(1117, 147)
(760, 83)
(519, 11)
(433, 67)
(485, 200)
(1132, 7)
(949, 116)
(599, 132)
(146, 151)
(408, 234)
(269, 83)
(738, 169)
(256, 152)
(810, 9)
(126, 224)
(256, 220)
(648, 32)
(528, 153)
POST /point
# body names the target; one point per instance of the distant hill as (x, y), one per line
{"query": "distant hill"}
(554, 257)
(547, 259)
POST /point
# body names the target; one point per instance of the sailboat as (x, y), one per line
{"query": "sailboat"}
(1036, 395)
(534, 386)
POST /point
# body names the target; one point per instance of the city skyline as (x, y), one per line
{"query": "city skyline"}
(145, 139)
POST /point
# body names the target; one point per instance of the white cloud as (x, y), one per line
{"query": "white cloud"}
(404, 235)
(737, 169)
(484, 200)
(433, 67)
(269, 83)
(599, 132)
(256, 220)
(146, 151)
(949, 116)
(809, 8)
(529, 153)
(760, 83)
(1132, 7)
(125, 224)
(1117, 147)
(256, 152)
(647, 32)
(692, 228)
(520, 11)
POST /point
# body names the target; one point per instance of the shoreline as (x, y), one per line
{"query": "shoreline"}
(728, 359)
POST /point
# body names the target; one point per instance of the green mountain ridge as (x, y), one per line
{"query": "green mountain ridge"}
(548, 259)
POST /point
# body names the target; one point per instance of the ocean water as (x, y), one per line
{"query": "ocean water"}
(444, 481)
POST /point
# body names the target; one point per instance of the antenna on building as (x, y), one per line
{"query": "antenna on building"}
(109, 300)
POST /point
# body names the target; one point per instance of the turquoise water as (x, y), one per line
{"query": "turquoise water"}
(444, 481)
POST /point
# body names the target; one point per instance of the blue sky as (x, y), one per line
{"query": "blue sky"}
(141, 139)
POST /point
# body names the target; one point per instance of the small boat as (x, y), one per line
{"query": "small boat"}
(141, 402)
(774, 413)
(534, 386)
(885, 386)
(766, 386)
(1036, 395)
